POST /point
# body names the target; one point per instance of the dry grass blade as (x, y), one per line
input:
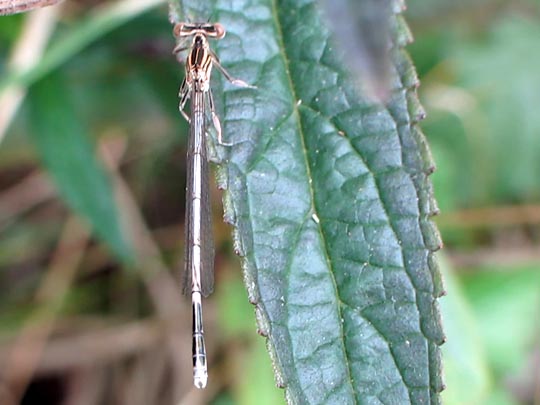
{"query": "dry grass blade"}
(99, 347)
(20, 6)
(25, 353)
(26, 54)
(162, 287)
(23, 196)
(491, 217)
(86, 386)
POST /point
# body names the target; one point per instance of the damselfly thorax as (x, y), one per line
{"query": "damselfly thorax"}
(199, 64)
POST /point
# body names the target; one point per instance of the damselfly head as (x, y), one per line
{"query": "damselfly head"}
(209, 30)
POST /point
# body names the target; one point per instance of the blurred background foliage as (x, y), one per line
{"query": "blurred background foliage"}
(78, 327)
(478, 64)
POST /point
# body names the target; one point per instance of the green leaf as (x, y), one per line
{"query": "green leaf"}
(505, 301)
(329, 196)
(66, 151)
(258, 386)
(488, 315)
(480, 115)
(500, 118)
(465, 364)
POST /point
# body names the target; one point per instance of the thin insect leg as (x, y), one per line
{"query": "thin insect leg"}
(215, 119)
(183, 93)
(180, 48)
(236, 82)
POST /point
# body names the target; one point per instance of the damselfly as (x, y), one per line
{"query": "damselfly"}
(199, 258)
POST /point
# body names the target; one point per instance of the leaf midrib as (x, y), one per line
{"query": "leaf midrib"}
(296, 114)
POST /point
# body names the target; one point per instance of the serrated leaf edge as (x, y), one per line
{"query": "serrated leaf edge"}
(401, 36)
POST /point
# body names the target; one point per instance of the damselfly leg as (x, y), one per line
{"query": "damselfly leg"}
(183, 94)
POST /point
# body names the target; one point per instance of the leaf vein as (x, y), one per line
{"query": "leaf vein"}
(308, 172)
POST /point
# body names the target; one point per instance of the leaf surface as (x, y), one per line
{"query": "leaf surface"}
(330, 200)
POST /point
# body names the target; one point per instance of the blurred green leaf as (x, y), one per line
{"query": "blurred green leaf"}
(223, 399)
(491, 320)
(452, 180)
(465, 365)
(235, 316)
(501, 397)
(256, 383)
(68, 155)
(9, 29)
(329, 195)
(258, 386)
(484, 132)
(503, 129)
(505, 301)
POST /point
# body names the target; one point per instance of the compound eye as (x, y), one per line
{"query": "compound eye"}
(220, 30)
(177, 30)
